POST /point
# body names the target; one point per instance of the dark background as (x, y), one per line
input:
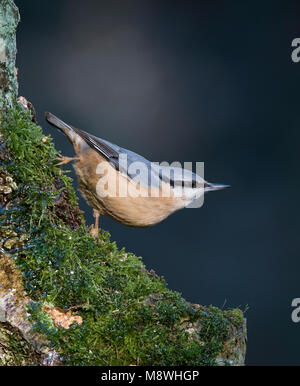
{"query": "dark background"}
(208, 81)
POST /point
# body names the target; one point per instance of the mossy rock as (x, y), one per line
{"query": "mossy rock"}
(14, 350)
(128, 314)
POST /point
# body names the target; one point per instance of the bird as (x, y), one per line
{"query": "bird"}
(126, 186)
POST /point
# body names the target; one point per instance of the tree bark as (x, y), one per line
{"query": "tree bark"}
(19, 344)
(9, 19)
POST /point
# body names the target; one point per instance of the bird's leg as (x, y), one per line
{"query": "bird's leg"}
(65, 160)
(95, 228)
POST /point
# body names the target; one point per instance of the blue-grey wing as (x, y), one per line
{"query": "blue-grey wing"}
(135, 166)
(126, 161)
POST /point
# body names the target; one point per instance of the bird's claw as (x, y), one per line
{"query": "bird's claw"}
(65, 160)
(94, 231)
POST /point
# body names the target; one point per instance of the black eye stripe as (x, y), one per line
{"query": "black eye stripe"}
(183, 184)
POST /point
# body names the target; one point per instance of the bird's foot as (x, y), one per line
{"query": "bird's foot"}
(95, 228)
(65, 160)
(94, 231)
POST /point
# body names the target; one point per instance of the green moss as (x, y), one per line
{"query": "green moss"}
(14, 350)
(129, 315)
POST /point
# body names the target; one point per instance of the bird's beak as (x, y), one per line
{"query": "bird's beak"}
(213, 187)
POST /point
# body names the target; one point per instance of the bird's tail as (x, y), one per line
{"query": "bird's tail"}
(61, 125)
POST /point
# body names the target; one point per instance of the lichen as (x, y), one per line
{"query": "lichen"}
(10, 276)
(128, 314)
(9, 19)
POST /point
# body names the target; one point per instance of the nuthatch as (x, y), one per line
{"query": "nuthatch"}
(106, 183)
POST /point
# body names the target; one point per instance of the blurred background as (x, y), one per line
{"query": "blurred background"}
(209, 81)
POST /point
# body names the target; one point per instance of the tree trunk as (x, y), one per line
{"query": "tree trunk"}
(66, 298)
(9, 19)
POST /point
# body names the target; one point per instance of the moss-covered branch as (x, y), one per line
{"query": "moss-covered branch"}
(66, 297)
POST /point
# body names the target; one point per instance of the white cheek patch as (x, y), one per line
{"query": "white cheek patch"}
(189, 193)
(194, 197)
